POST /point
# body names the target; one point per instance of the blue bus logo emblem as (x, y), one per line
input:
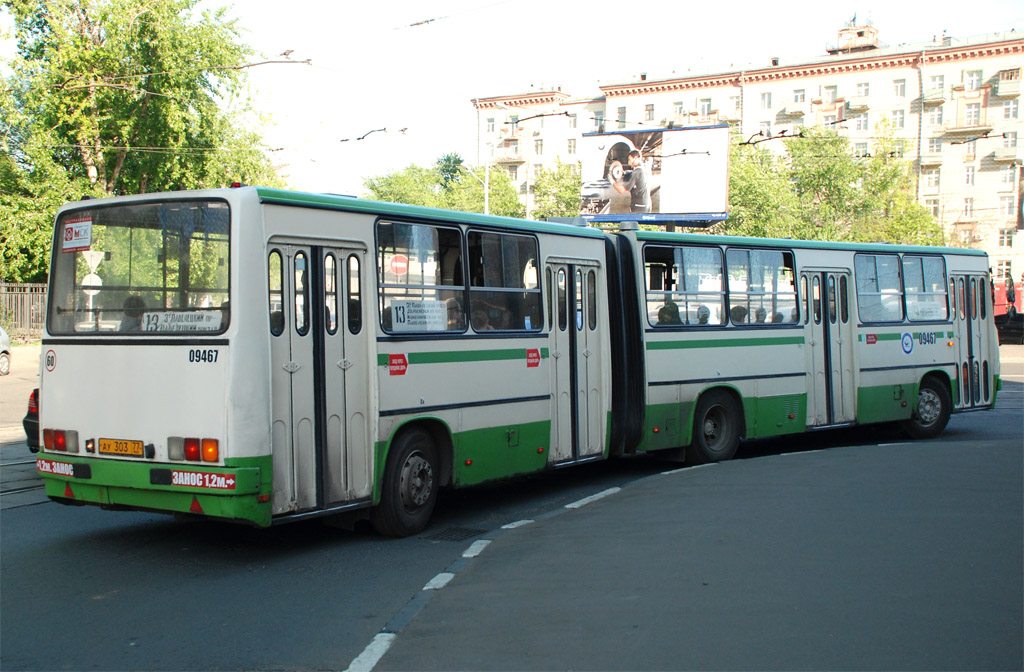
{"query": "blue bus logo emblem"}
(908, 343)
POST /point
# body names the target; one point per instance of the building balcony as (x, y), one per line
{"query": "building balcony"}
(962, 128)
(508, 156)
(1007, 155)
(795, 111)
(1008, 88)
(857, 104)
(730, 116)
(933, 97)
(931, 159)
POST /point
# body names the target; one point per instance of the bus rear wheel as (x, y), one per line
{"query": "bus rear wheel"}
(931, 412)
(716, 429)
(410, 485)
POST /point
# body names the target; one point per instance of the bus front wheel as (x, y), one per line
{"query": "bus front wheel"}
(410, 485)
(716, 429)
(931, 412)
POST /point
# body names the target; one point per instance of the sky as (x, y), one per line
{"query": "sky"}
(417, 64)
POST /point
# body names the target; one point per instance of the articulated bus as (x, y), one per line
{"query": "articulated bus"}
(265, 356)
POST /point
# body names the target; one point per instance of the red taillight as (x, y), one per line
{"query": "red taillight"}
(60, 439)
(33, 402)
(192, 451)
(48, 439)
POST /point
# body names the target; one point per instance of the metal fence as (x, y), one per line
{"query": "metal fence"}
(23, 310)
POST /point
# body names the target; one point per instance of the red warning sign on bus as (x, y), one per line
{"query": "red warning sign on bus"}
(532, 357)
(399, 264)
(397, 365)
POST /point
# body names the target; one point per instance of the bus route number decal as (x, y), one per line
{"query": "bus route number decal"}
(201, 356)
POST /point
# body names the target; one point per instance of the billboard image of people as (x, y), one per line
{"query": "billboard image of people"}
(656, 175)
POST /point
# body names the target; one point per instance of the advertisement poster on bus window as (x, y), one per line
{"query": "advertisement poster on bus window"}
(656, 176)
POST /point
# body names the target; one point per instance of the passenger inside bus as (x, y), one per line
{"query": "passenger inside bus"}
(669, 314)
(134, 306)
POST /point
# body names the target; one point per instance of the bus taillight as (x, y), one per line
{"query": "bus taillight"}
(48, 439)
(211, 450)
(59, 439)
(192, 450)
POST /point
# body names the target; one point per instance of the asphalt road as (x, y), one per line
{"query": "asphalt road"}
(837, 550)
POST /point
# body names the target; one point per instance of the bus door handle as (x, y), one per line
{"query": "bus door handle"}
(291, 367)
(345, 364)
(556, 354)
(586, 353)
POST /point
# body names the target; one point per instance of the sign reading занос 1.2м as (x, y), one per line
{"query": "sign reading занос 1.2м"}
(680, 175)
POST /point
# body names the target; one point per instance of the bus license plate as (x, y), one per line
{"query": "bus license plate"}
(121, 447)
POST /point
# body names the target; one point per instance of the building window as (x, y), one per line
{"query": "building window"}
(968, 207)
(622, 117)
(734, 103)
(934, 145)
(899, 88)
(973, 80)
(935, 115)
(1010, 139)
(932, 204)
(1006, 174)
(863, 89)
(705, 108)
(490, 124)
(860, 149)
(830, 95)
(861, 122)
(513, 173)
(898, 118)
(572, 121)
(514, 122)
(969, 176)
(679, 109)
(971, 147)
(973, 117)
(938, 82)
(965, 236)
(537, 168)
(649, 112)
(831, 120)
(766, 101)
(1006, 237)
(1010, 109)
(931, 177)
(1004, 270)
(1006, 206)
(766, 129)
(538, 147)
(571, 149)
(798, 95)
(599, 121)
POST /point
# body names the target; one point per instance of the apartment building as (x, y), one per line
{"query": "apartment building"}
(953, 104)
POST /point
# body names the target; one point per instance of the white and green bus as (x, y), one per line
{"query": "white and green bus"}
(266, 356)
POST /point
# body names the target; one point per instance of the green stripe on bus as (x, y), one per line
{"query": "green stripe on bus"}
(899, 336)
(724, 343)
(464, 356)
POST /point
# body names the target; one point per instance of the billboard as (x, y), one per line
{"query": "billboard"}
(656, 176)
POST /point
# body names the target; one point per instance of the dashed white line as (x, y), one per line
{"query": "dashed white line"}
(476, 548)
(439, 581)
(592, 498)
(518, 523)
(373, 652)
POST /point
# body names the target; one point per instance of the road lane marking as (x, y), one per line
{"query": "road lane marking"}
(592, 498)
(373, 652)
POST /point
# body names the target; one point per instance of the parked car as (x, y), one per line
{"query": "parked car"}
(31, 422)
(5, 353)
(1010, 328)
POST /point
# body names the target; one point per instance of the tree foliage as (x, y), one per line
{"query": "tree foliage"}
(821, 191)
(556, 191)
(448, 184)
(110, 97)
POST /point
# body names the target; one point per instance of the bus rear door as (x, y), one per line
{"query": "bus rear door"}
(975, 370)
(831, 396)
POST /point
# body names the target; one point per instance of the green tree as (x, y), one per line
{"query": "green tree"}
(556, 191)
(442, 186)
(110, 97)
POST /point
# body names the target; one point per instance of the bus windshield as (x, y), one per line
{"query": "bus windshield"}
(147, 268)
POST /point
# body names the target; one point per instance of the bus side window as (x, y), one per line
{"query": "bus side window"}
(275, 278)
(816, 300)
(551, 299)
(562, 298)
(354, 303)
(844, 304)
(807, 299)
(579, 300)
(330, 295)
(832, 299)
(301, 294)
(592, 300)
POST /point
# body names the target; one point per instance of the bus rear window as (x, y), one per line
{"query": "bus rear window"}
(148, 268)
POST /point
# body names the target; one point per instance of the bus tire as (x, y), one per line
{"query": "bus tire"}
(410, 485)
(716, 429)
(931, 412)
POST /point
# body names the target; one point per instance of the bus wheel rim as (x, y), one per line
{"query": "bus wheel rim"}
(713, 427)
(417, 481)
(929, 407)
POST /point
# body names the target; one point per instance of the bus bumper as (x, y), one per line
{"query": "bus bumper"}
(238, 491)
